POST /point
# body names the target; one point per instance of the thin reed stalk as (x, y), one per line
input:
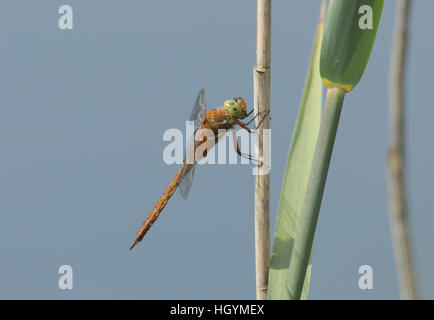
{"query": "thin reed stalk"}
(261, 78)
(398, 206)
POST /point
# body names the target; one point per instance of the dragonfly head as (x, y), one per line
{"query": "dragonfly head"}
(236, 107)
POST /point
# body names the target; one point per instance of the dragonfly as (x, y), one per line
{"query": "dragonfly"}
(226, 117)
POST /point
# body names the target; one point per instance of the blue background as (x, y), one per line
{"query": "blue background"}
(82, 116)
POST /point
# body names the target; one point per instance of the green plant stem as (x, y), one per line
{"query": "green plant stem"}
(315, 189)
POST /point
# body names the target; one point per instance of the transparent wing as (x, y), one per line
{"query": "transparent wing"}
(186, 182)
(199, 109)
(197, 113)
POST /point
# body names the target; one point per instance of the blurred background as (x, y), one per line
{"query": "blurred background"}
(82, 117)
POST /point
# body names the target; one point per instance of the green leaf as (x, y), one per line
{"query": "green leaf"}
(345, 52)
(346, 47)
(296, 177)
(302, 249)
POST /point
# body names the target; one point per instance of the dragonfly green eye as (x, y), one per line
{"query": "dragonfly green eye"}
(234, 108)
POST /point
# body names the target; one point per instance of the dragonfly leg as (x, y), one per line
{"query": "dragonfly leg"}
(237, 148)
(251, 120)
(258, 114)
(243, 125)
(262, 119)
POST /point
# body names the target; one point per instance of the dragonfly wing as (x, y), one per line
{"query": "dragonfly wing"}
(197, 113)
(199, 108)
(186, 182)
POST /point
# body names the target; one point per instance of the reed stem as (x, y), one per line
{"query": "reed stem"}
(398, 206)
(261, 75)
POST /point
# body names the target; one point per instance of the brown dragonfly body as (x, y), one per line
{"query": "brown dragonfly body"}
(159, 206)
(214, 120)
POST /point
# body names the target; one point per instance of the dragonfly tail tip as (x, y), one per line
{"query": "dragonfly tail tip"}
(134, 244)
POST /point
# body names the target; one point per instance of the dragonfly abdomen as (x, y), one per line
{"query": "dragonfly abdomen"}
(161, 203)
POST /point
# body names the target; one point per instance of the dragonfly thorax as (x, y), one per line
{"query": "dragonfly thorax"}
(217, 119)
